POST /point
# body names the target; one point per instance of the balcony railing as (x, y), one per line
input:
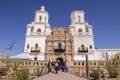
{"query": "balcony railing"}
(85, 49)
(59, 49)
(35, 49)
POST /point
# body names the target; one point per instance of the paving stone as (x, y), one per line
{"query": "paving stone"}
(60, 76)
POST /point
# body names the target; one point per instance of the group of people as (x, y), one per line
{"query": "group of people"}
(55, 66)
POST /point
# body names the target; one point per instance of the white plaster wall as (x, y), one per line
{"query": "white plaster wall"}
(32, 40)
(110, 52)
(79, 26)
(28, 31)
(72, 30)
(37, 17)
(99, 54)
(48, 31)
(75, 14)
(83, 40)
(81, 17)
(39, 57)
(37, 26)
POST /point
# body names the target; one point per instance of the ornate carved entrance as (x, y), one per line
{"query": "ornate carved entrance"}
(59, 44)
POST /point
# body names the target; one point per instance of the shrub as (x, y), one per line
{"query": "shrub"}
(95, 74)
(21, 74)
(11, 74)
(39, 71)
(113, 66)
(3, 71)
(112, 71)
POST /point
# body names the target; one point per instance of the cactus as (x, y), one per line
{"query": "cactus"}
(87, 66)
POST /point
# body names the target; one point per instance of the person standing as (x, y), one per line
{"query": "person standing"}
(63, 66)
(56, 67)
(66, 65)
(53, 66)
(49, 67)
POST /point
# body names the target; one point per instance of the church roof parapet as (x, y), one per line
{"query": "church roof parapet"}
(77, 11)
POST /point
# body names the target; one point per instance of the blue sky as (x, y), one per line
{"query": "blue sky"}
(103, 15)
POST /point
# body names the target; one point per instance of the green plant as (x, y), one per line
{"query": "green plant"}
(19, 74)
(113, 66)
(3, 71)
(39, 71)
(112, 71)
(24, 74)
(87, 66)
(95, 74)
(11, 74)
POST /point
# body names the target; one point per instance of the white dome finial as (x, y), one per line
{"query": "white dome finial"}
(42, 8)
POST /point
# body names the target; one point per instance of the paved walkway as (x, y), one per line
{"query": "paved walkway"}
(60, 76)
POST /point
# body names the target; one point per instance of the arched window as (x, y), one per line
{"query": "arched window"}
(86, 29)
(80, 30)
(78, 18)
(94, 63)
(82, 46)
(40, 18)
(79, 63)
(118, 57)
(45, 19)
(38, 30)
(35, 58)
(29, 63)
(36, 45)
(82, 63)
(90, 47)
(28, 46)
(75, 63)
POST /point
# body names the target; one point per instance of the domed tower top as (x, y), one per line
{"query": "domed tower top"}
(41, 15)
(77, 17)
(42, 8)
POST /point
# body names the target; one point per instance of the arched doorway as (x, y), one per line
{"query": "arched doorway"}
(60, 62)
(59, 59)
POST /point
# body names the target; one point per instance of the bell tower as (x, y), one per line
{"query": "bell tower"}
(41, 16)
(36, 34)
(77, 17)
(82, 33)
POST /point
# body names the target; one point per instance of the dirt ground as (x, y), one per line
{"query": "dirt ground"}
(112, 78)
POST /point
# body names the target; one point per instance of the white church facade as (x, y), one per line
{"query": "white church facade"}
(73, 43)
